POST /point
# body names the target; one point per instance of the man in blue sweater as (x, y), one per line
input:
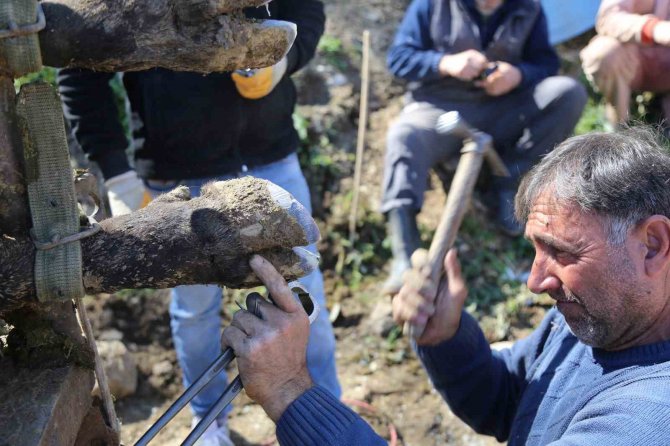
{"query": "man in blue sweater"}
(597, 369)
(491, 61)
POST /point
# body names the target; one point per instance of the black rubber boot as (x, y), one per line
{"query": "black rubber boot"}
(404, 233)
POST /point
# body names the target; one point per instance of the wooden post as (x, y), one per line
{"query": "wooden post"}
(360, 141)
(181, 35)
(14, 213)
(56, 388)
(46, 380)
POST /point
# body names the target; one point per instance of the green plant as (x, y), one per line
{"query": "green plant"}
(332, 50)
(329, 44)
(492, 265)
(592, 119)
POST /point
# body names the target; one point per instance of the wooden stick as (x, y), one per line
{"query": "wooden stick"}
(458, 200)
(360, 142)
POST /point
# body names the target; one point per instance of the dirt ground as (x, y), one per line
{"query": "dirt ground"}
(386, 377)
(380, 375)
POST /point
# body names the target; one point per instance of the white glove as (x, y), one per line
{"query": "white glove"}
(126, 193)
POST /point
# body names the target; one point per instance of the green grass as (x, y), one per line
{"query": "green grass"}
(593, 118)
(332, 49)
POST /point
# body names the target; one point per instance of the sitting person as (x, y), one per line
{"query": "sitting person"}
(491, 61)
(596, 371)
(630, 53)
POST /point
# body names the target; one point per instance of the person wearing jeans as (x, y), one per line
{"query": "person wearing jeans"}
(194, 310)
(190, 128)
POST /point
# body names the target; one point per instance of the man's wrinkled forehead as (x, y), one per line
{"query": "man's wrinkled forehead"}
(548, 213)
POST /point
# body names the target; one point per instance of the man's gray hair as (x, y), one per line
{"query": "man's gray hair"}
(623, 177)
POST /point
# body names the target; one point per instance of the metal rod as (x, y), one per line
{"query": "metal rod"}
(214, 369)
(233, 389)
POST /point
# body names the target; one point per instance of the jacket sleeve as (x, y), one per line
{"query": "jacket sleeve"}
(482, 387)
(310, 19)
(539, 60)
(624, 19)
(90, 107)
(412, 55)
(317, 418)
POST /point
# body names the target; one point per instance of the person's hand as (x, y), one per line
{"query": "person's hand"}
(505, 78)
(465, 66)
(256, 84)
(126, 193)
(662, 33)
(421, 302)
(271, 352)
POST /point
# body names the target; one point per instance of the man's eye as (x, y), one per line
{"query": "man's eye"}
(563, 256)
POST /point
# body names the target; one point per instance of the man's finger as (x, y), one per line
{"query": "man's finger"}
(454, 274)
(276, 285)
(234, 338)
(246, 322)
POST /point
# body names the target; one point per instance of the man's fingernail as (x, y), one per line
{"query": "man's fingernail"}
(256, 260)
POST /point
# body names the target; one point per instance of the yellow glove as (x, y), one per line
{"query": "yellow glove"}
(255, 84)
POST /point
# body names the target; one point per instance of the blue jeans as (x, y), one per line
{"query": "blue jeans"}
(195, 309)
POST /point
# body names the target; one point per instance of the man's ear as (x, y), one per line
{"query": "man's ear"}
(654, 233)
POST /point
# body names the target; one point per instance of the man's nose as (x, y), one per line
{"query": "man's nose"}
(542, 278)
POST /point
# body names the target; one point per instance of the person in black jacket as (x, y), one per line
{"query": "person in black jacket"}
(189, 129)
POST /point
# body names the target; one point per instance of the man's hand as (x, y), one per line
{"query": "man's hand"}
(419, 302)
(271, 351)
(126, 193)
(502, 80)
(256, 84)
(464, 66)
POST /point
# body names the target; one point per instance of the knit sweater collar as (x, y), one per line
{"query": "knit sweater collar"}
(641, 354)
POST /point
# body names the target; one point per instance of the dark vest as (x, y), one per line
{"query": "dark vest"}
(453, 31)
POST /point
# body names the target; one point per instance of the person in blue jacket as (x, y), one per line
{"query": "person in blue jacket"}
(491, 61)
(596, 371)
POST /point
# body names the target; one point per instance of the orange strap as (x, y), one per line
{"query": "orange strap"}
(647, 34)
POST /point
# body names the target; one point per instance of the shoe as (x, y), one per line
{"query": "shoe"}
(404, 233)
(505, 219)
(217, 434)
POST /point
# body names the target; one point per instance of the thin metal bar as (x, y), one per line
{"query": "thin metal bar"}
(233, 389)
(214, 369)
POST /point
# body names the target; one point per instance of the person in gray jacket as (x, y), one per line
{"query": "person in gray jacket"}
(491, 61)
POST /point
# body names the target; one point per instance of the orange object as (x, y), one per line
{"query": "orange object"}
(647, 34)
(255, 86)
